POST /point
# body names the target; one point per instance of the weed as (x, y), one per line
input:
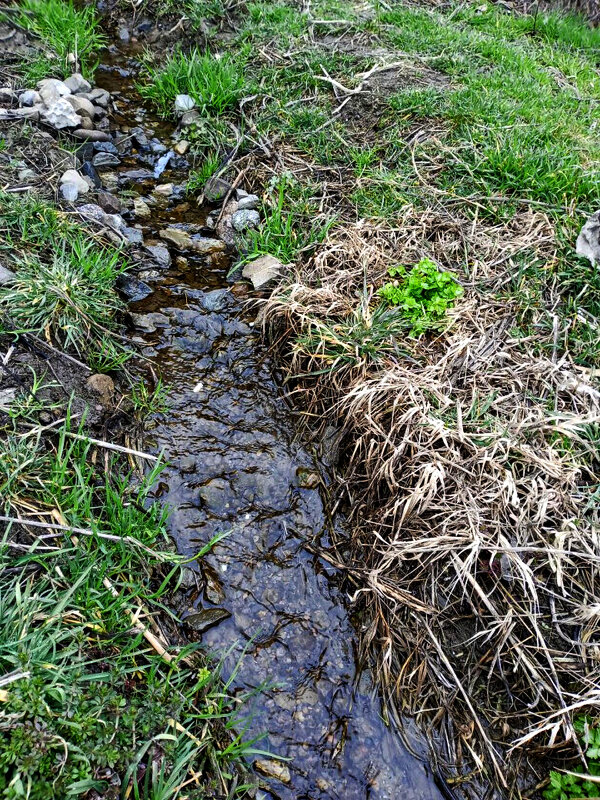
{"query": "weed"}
(422, 295)
(68, 32)
(214, 82)
(569, 785)
(148, 401)
(201, 174)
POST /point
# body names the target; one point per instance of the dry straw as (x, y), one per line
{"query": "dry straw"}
(470, 470)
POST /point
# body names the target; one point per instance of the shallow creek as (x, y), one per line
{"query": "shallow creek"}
(236, 466)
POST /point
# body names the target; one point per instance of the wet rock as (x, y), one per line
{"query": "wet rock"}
(187, 465)
(81, 106)
(181, 239)
(249, 202)
(149, 322)
(133, 235)
(93, 136)
(73, 178)
(60, 114)
(109, 202)
(181, 147)
(216, 189)
(133, 289)
(94, 212)
(6, 276)
(588, 241)
(51, 90)
(160, 254)
(77, 84)
(105, 147)
(69, 192)
(164, 189)
(161, 164)
(103, 386)
(139, 137)
(181, 262)
(201, 621)
(89, 171)
(213, 590)
(245, 219)
(106, 160)
(7, 96)
(273, 769)
(190, 118)
(262, 270)
(131, 175)
(99, 97)
(157, 147)
(141, 209)
(183, 103)
(30, 98)
(205, 246)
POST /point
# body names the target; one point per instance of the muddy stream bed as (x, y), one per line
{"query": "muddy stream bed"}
(236, 466)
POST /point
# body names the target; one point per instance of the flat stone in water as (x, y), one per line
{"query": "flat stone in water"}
(201, 621)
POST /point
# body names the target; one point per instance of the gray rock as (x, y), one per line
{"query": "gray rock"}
(88, 170)
(262, 270)
(26, 175)
(164, 189)
(6, 276)
(32, 114)
(99, 112)
(71, 176)
(215, 189)
(242, 220)
(105, 147)
(87, 124)
(133, 289)
(187, 465)
(99, 97)
(69, 192)
(211, 220)
(149, 322)
(60, 114)
(588, 241)
(190, 118)
(160, 254)
(94, 212)
(134, 235)
(106, 160)
(92, 136)
(248, 202)
(180, 239)
(81, 106)
(201, 621)
(139, 137)
(8, 397)
(77, 84)
(124, 34)
(109, 202)
(183, 103)
(205, 245)
(51, 90)
(29, 98)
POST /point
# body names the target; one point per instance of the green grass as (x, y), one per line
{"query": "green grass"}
(65, 31)
(64, 287)
(84, 699)
(215, 83)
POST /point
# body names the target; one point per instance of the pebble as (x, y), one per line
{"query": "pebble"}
(69, 192)
(133, 289)
(201, 621)
(77, 84)
(134, 235)
(29, 98)
(262, 270)
(216, 189)
(81, 106)
(177, 237)
(242, 220)
(149, 322)
(103, 386)
(99, 97)
(109, 202)
(141, 209)
(183, 103)
(164, 189)
(124, 34)
(8, 396)
(106, 160)
(20, 113)
(181, 147)
(93, 136)
(248, 202)
(273, 769)
(71, 176)
(93, 211)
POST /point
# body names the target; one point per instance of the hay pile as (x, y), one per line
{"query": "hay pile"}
(471, 476)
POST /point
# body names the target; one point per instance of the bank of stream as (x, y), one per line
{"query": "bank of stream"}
(236, 468)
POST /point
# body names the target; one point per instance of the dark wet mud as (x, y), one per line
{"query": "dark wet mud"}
(237, 467)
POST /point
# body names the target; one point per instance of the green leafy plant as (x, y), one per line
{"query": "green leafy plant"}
(575, 784)
(423, 295)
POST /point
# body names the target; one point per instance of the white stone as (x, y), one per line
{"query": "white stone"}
(183, 103)
(81, 106)
(51, 90)
(181, 147)
(244, 219)
(61, 114)
(73, 177)
(588, 241)
(248, 203)
(165, 189)
(29, 98)
(69, 192)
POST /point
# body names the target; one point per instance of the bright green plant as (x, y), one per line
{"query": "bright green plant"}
(422, 295)
(573, 784)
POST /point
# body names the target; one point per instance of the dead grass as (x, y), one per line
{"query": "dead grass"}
(470, 475)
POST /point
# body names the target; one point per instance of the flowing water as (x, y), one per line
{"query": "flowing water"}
(238, 467)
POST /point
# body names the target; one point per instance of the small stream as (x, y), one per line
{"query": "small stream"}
(238, 467)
